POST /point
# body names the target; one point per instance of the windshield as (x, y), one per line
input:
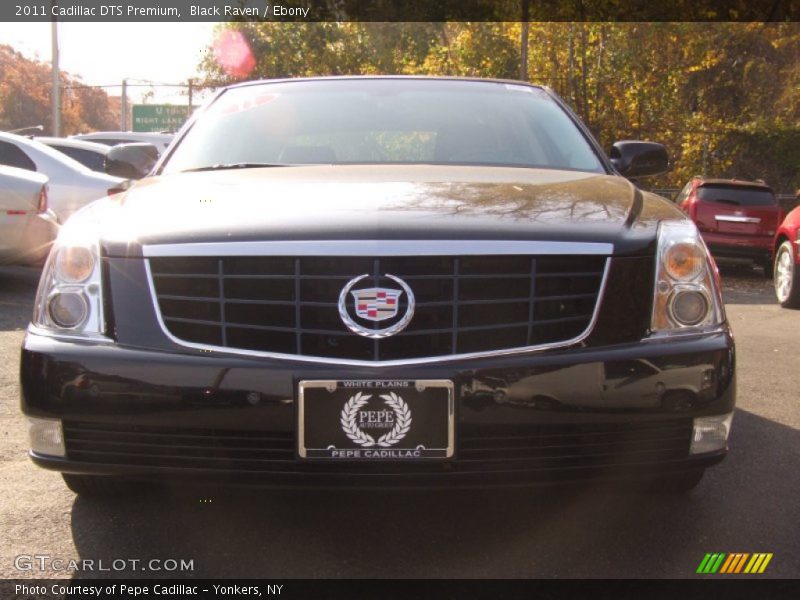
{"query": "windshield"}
(737, 196)
(385, 121)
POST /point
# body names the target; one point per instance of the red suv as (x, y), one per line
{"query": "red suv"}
(737, 218)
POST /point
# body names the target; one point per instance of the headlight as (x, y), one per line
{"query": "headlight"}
(683, 261)
(74, 264)
(68, 309)
(69, 299)
(687, 295)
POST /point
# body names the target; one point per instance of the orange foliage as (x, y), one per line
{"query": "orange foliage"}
(25, 87)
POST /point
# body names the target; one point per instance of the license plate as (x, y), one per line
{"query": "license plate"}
(376, 420)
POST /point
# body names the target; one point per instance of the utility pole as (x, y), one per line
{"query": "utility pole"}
(523, 42)
(55, 95)
(123, 117)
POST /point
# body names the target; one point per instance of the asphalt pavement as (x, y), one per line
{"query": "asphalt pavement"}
(749, 503)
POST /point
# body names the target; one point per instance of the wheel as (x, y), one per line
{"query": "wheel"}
(101, 486)
(679, 483)
(787, 277)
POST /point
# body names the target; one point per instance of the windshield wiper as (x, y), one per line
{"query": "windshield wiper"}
(226, 166)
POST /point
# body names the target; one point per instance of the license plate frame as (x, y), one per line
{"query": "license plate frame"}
(392, 437)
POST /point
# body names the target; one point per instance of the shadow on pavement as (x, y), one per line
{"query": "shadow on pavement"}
(744, 284)
(17, 293)
(746, 504)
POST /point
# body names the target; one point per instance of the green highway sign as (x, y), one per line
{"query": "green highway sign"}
(159, 117)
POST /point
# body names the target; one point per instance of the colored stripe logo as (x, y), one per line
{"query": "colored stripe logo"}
(734, 563)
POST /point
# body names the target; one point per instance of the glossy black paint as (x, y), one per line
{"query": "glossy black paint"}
(112, 385)
(633, 158)
(392, 202)
(618, 382)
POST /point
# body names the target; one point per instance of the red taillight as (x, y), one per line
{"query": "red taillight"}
(42, 207)
(119, 188)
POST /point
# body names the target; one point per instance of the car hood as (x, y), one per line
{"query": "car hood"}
(384, 202)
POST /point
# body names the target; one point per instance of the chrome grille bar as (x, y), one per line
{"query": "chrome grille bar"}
(465, 301)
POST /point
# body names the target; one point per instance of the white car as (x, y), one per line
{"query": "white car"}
(27, 226)
(111, 138)
(71, 184)
(89, 154)
(639, 383)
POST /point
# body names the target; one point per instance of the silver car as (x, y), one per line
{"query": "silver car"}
(71, 184)
(112, 138)
(27, 226)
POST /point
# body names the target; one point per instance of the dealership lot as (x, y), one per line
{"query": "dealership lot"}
(747, 504)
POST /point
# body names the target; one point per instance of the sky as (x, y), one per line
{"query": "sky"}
(105, 53)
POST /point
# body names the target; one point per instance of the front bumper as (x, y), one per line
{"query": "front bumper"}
(610, 412)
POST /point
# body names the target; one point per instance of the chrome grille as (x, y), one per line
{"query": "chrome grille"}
(464, 304)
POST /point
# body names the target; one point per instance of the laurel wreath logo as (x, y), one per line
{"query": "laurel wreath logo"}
(358, 436)
(402, 424)
(348, 420)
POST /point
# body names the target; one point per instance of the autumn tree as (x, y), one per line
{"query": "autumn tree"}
(721, 96)
(25, 87)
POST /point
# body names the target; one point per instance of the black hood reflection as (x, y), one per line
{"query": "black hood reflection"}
(387, 202)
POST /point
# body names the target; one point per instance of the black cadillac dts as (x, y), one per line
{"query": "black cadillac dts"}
(381, 282)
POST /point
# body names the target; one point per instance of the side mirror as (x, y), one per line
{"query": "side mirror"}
(131, 161)
(639, 159)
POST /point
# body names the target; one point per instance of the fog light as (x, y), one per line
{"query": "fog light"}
(46, 437)
(67, 309)
(689, 307)
(710, 433)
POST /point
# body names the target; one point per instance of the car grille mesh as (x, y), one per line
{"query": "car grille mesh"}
(479, 448)
(464, 304)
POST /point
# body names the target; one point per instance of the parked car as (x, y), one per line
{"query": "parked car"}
(787, 261)
(319, 269)
(112, 138)
(105, 159)
(27, 226)
(89, 154)
(71, 184)
(639, 383)
(737, 218)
